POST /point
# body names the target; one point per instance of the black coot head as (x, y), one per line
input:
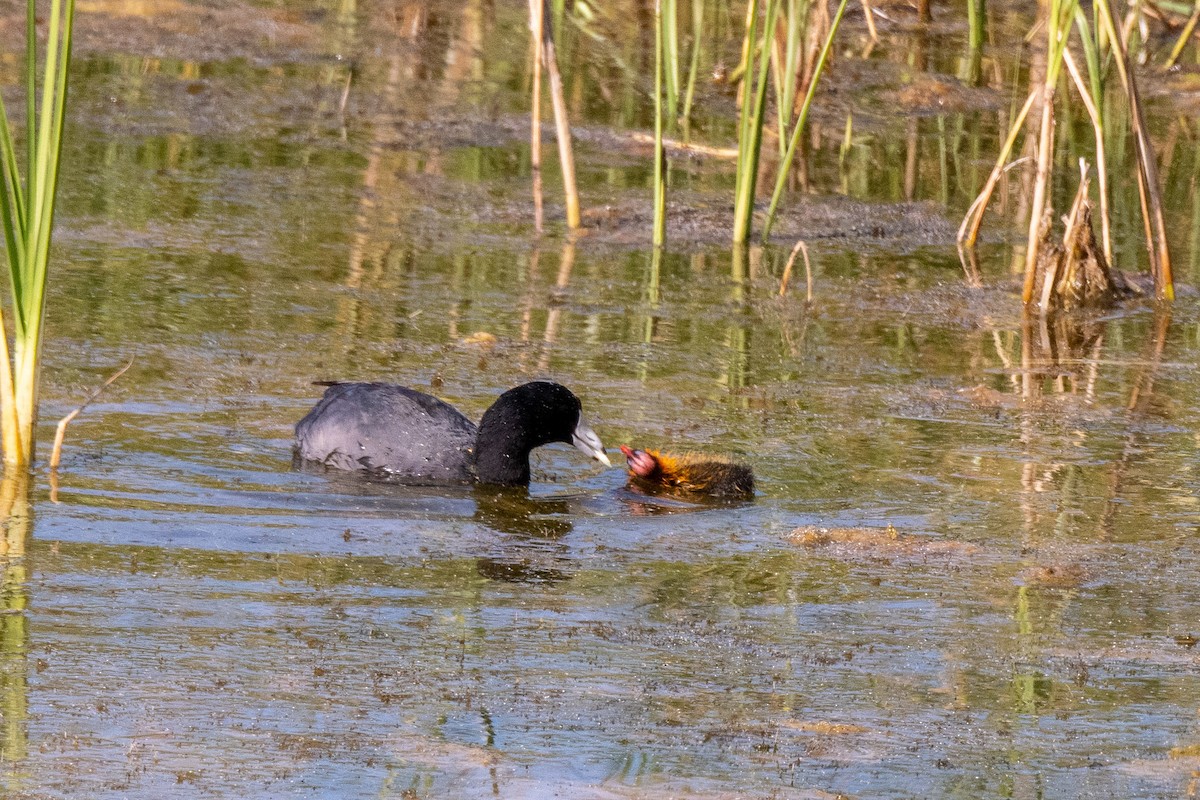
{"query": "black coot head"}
(526, 417)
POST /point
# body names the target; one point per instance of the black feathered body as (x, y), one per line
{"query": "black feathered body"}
(388, 430)
(393, 431)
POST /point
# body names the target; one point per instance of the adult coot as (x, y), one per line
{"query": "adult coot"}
(401, 433)
(689, 474)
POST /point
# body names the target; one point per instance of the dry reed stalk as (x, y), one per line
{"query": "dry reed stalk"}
(869, 15)
(968, 231)
(818, 31)
(1038, 206)
(536, 24)
(777, 77)
(1101, 163)
(1071, 225)
(1160, 256)
(970, 265)
(61, 431)
(800, 247)
(562, 124)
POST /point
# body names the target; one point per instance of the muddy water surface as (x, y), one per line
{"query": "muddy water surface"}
(970, 570)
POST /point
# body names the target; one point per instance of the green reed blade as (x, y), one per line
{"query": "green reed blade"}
(28, 221)
(670, 55)
(751, 146)
(693, 67)
(660, 192)
(798, 128)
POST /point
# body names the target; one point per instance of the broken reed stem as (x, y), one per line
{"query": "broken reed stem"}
(562, 126)
(800, 247)
(1081, 193)
(536, 24)
(61, 432)
(1070, 223)
(968, 232)
(1101, 163)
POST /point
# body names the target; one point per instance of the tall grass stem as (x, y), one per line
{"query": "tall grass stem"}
(536, 25)
(750, 144)
(693, 67)
(798, 128)
(1160, 255)
(660, 189)
(562, 124)
(667, 12)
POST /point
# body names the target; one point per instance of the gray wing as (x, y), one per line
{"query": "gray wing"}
(390, 430)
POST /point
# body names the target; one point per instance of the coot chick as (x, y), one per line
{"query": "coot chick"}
(713, 476)
(400, 433)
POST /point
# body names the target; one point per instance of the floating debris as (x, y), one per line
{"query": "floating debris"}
(1056, 576)
(879, 542)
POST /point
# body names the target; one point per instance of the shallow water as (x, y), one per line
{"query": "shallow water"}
(1006, 606)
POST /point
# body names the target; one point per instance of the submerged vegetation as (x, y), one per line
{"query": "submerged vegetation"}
(27, 210)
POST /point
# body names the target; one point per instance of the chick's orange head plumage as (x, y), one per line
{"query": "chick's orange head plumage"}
(650, 464)
(690, 474)
(642, 463)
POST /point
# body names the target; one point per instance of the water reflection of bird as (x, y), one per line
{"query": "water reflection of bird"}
(531, 550)
(688, 474)
(514, 512)
(403, 434)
